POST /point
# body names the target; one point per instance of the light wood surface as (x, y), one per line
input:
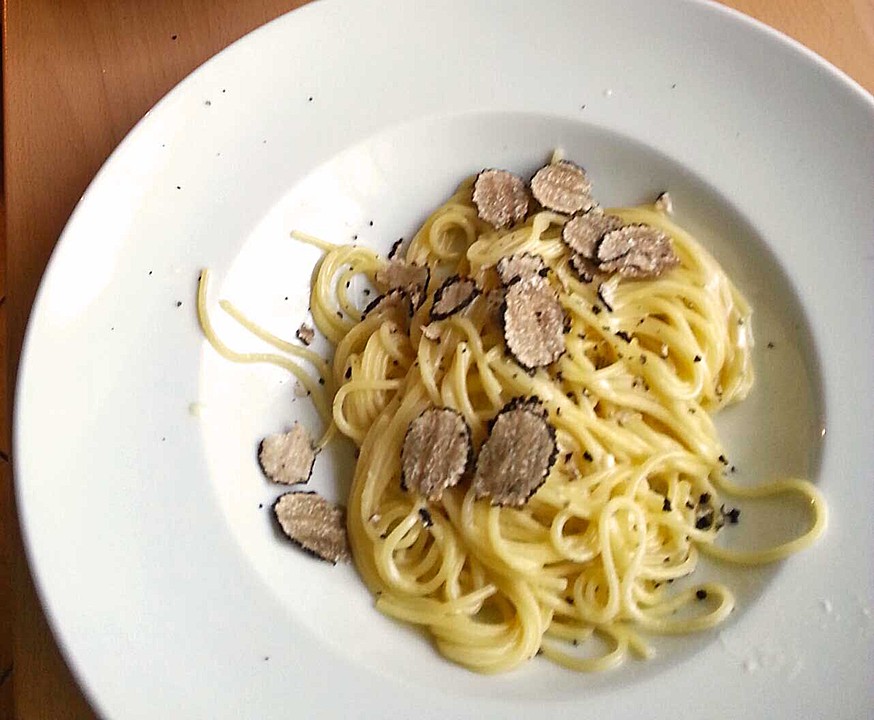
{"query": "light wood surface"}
(77, 74)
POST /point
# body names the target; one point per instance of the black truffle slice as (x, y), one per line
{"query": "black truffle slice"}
(665, 204)
(313, 523)
(501, 198)
(409, 277)
(288, 458)
(605, 295)
(455, 294)
(519, 267)
(562, 186)
(534, 323)
(518, 454)
(584, 230)
(587, 270)
(494, 304)
(305, 333)
(394, 302)
(436, 452)
(636, 251)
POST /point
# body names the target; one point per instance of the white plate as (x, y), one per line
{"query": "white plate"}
(167, 587)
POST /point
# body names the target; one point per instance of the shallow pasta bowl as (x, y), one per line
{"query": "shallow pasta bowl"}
(146, 523)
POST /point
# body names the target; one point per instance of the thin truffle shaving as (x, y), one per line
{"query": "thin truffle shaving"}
(665, 204)
(534, 323)
(455, 294)
(399, 275)
(305, 333)
(636, 251)
(314, 524)
(288, 458)
(520, 267)
(518, 454)
(562, 186)
(584, 231)
(586, 270)
(436, 452)
(501, 198)
(395, 304)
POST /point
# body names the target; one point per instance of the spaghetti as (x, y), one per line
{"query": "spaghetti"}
(632, 502)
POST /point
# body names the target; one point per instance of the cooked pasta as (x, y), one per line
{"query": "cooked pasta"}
(636, 495)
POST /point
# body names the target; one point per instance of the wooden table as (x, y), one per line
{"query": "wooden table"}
(77, 75)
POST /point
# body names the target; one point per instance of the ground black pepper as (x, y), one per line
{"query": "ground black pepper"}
(701, 594)
(666, 505)
(588, 456)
